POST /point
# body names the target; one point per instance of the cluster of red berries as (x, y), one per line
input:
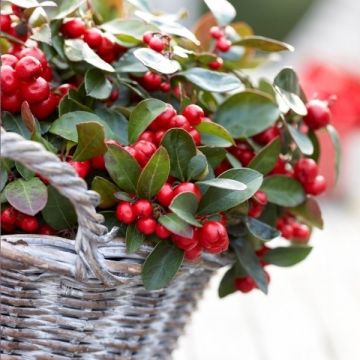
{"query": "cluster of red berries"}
(11, 219)
(222, 44)
(156, 41)
(105, 47)
(8, 26)
(257, 204)
(292, 230)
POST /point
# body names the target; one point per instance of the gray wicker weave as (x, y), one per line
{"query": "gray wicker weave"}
(63, 299)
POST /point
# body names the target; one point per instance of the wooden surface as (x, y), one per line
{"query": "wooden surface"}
(311, 313)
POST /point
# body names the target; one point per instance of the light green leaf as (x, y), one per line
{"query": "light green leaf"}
(301, 140)
(309, 212)
(227, 184)
(97, 85)
(214, 134)
(197, 167)
(176, 225)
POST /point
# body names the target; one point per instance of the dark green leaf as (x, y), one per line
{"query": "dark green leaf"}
(154, 174)
(222, 10)
(227, 284)
(176, 225)
(216, 200)
(184, 206)
(197, 167)
(122, 168)
(143, 115)
(161, 265)
(262, 43)
(97, 85)
(68, 105)
(27, 196)
(283, 190)
(266, 158)
(316, 145)
(214, 155)
(211, 80)
(15, 124)
(309, 212)
(287, 256)
(24, 171)
(301, 140)
(134, 238)
(3, 177)
(181, 149)
(337, 146)
(128, 63)
(247, 113)
(214, 134)
(111, 221)
(106, 189)
(260, 230)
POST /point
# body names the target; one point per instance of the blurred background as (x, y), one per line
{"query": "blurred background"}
(313, 309)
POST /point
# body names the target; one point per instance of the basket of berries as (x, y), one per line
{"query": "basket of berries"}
(137, 158)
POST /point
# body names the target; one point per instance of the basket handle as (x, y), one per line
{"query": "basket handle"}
(63, 177)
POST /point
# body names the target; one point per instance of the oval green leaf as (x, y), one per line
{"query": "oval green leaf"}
(97, 85)
(198, 167)
(214, 134)
(261, 230)
(107, 190)
(227, 184)
(263, 43)
(184, 206)
(301, 140)
(266, 158)
(134, 238)
(287, 256)
(176, 225)
(310, 213)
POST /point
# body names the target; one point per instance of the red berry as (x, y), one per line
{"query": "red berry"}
(47, 74)
(9, 82)
(165, 87)
(130, 150)
(143, 151)
(306, 170)
(196, 136)
(261, 198)
(46, 230)
(82, 168)
(114, 95)
(193, 254)
(159, 136)
(223, 44)
(147, 136)
(184, 243)
(125, 212)
(194, 114)
(9, 215)
(5, 23)
(146, 226)
(216, 32)
(179, 121)
(7, 228)
(287, 231)
(216, 64)
(301, 232)
(65, 88)
(245, 284)
(93, 37)
(17, 10)
(156, 44)
(42, 110)
(318, 115)
(151, 81)
(28, 223)
(188, 187)
(162, 232)
(224, 165)
(262, 251)
(73, 28)
(106, 46)
(98, 162)
(36, 90)
(11, 103)
(165, 195)
(316, 187)
(279, 168)
(8, 59)
(143, 208)
(147, 36)
(163, 120)
(255, 209)
(36, 53)
(267, 135)
(214, 237)
(28, 68)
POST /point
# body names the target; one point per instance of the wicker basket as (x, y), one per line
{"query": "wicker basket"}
(64, 299)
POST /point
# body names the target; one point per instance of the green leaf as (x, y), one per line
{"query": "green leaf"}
(227, 284)
(287, 256)
(97, 85)
(155, 61)
(227, 184)
(197, 167)
(3, 177)
(15, 124)
(141, 4)
(143, 115)
(59, 213)
(106, 189)
(77, 50)
(263, 43)
(211, 80)
(181, 149)
(260, 230)
(128, 63)
(214, 134)
(337, 146)
(29, 4)
(122, 168)
(309, 212)
(214, 155)
(67, 7)
(216, 200)
(66, 125)
(134, 238)
(24, 171)
(176, 225)
(301, 140)
(222, 10)
(316, 145)
(91, 139)
(161, 265)
(266, 158)
(247, 113)
(154, 174)
(27, 196)
(42, 34)
(184, 206)
(283, 190)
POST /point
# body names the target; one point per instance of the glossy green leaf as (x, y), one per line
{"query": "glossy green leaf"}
(161, 265)
(184, 206)
(27, 196)
(24, 171)
(134, 238)
(14, 123)
(176, 225)
(301, 140)
(283, 190)
(337, 146)
(144, 113)
(97, 85)
(156, 61)
(91, 141)
(181, 148)
(227, 284)
(260, 230)
(197, 167)
(59, 213)
(42, 34)
(106, 189)
(247, 113)
(211, 80)
(122, 168)
(309, 212)
(287, 256)
(214, 134)
(128, 63)
(263, 43)
(214, 155)
(222, 10)
(266, 158)
(67, 7)
(216, 200)
(227, 184)
(3, 177)
(154, 174)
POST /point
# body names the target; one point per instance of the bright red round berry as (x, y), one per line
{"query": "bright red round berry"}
(9, 215)
(64, 89)
(36, 53)
(214, 237)
(163, 120)
(8, 59)
(147, 136)
(93, 37)
(316, 187)
(82, 168)
(46, 230)
(147, 36)
(216, 32)
(301, 232)
(151, 81)
(9, 81)
(222, 44)
(306, 170)
(194, 114)
(157, 44)
(98, 162)
(35, 91)
(143, 151)
(11, 103)
(193, 254)
(318, 115)
(185, 243)
(179, 121)
(188, 187)
(125, 212)
(28, 68)
(42, 110)
(165, 87)
(73, 28)
(143, 208)
(216, 64)
(287, 231)
(195, 134)
(261, 198)
(165, 195)
(146, 226)
(245, 284)
(28, 223)
(5, 23)
(267, 135)
(255, 209)
(162, 232)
